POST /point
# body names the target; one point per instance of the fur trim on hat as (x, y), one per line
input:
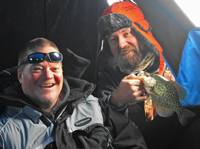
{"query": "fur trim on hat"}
(111, 23)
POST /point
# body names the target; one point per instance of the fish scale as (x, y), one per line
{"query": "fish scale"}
(165, 96)
(164, 93)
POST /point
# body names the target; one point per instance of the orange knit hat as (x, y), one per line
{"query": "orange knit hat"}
(135, 20)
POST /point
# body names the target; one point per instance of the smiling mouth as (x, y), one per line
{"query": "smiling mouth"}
(123, 54)
(46, 85)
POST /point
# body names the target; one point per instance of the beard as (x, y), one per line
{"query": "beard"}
(129, 61)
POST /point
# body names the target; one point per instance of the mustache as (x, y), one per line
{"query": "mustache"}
(127, 49)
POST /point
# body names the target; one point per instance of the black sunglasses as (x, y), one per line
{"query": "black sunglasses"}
(39, 57)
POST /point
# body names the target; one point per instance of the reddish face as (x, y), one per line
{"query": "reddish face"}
(42, 82)
(126, 48)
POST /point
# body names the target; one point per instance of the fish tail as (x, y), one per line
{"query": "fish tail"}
(184, 115)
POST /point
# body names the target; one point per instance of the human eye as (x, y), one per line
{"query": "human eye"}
(56, 69)
(127, 33)
(112, 39)
(36, 68)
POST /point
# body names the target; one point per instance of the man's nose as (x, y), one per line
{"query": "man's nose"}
(121, 42)
(48, 73)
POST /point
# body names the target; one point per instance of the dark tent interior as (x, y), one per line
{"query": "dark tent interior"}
(72, 24)
(68, 23)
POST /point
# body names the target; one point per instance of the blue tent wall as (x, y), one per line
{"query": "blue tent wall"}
(188, 75)
(170, 27)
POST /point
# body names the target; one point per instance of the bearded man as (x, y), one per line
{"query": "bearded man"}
(127, 47)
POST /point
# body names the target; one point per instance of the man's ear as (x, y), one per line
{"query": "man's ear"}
(19, 76)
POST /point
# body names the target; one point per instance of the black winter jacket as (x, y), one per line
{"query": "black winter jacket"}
(116, 131)
(108, 81)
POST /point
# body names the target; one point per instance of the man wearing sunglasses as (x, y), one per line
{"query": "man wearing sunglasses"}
(47, 110)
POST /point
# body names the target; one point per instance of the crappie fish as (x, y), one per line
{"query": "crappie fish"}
(165, 96)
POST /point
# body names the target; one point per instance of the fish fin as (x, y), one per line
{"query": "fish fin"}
(163, 111)
(148, 98)
(184, 115)
(182, 91)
